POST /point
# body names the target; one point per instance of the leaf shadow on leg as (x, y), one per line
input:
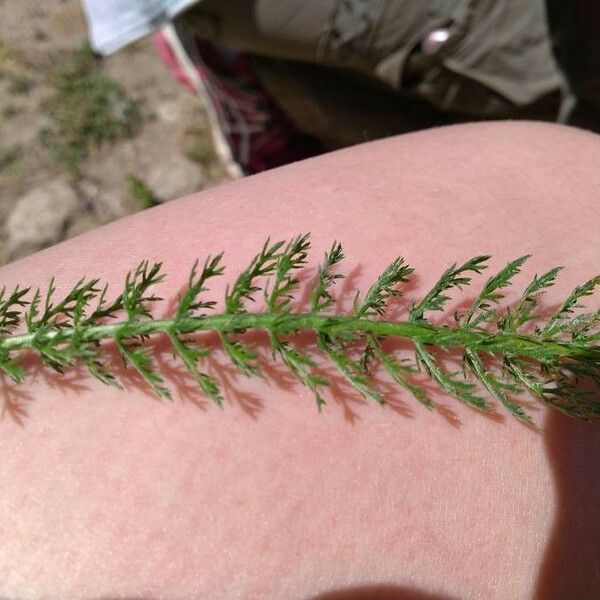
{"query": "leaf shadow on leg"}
(14, 402)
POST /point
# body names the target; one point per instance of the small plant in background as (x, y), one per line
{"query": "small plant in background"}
(86, 109)
(199, 147)
(140, 192)
(14, 82)
(504, 351)
(11, 110)
(8, 156)
(19, 84)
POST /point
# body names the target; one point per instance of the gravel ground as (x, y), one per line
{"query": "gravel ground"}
(42, 201)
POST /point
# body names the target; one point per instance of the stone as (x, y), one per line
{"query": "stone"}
(39, 218)
(169, 112)
(110, 204)
(80, 224)
(175, 177)
(89, 189)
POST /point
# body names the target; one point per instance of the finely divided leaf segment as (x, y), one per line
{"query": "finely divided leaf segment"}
(505, 351)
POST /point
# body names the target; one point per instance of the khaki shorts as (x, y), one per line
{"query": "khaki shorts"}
(463, 58)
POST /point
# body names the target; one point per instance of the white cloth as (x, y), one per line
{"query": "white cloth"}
(116, 23)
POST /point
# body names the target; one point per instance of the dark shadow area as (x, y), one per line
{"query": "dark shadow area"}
(380, 592)
(574, 30)
(571, 564)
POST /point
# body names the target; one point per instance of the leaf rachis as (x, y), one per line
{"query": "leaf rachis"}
(548, 362)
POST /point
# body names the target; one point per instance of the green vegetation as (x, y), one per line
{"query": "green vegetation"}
(557, 361)
(11, 110)
(86, 109)
(140, 192)
(18, 84)
(199, 146)
(8, 156)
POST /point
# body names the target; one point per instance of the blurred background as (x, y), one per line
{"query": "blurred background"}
(85, 140)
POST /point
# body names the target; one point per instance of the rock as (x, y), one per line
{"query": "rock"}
(110, 205)
(175, 177)
(89, 189)
(106, 203)
(39, 218)
(80, 224)
(169, 112)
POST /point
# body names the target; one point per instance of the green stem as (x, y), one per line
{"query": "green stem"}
(334, 326)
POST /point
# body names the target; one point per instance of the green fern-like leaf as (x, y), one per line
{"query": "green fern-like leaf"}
(481, 310)
(384, 289)
(523, 312)
(321, 298)
(502, 358)
(452, 277)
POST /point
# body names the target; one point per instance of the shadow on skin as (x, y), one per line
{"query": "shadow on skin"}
(571, 568)
(74, 380)
(184, 388)
(380, 592)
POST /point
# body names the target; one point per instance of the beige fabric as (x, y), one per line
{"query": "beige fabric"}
(496, 63)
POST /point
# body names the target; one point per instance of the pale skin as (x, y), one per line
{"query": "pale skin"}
(111, 494)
